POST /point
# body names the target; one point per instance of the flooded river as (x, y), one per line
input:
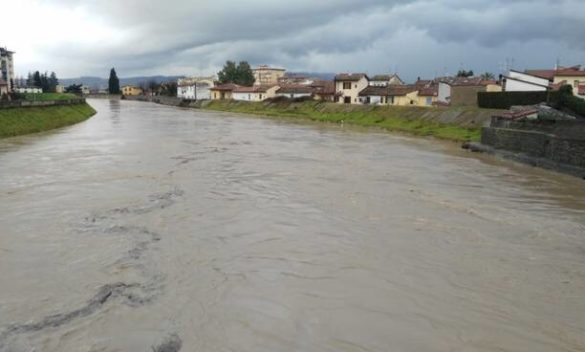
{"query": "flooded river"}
(151, 228)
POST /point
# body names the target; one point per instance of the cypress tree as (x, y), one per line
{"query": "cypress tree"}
(113, 82)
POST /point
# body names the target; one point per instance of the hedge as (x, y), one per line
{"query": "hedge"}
(505, 100)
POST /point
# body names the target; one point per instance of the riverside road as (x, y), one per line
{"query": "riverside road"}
(157, 228)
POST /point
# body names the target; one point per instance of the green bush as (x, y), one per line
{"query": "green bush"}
(505, 100)
(570, 102)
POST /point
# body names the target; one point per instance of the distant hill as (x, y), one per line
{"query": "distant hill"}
(102, 83)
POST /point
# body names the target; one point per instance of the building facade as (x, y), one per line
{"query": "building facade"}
(265, 75)
(573, 76)
(385, 80)
(131, 90)
(195, 88)
(517, 81)
(349, 85)
(223, 91)
(7, 68)
(255, 93)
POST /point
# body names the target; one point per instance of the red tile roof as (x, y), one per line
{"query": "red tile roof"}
(295, 88)
(570, 72)
(391, 90)
(429, 91)
(253, 89)
(350, 76)
(226, 87)
(323, 87)
(546, 74)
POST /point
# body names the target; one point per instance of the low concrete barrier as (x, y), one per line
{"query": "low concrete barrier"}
(39, 103)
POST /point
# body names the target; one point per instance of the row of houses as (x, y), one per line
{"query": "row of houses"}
(545, 80)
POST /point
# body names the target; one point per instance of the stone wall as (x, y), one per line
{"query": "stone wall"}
(562, 142)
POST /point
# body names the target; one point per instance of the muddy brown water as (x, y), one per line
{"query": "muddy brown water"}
(156, 228)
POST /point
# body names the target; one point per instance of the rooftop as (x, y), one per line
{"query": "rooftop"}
(350, 76)
(295, 88)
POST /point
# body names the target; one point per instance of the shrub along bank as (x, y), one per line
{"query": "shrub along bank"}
(457, 124)
(18, 121)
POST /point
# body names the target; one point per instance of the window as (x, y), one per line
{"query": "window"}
(391, 100)
(429, 101)
(346, 85)
(260, 96)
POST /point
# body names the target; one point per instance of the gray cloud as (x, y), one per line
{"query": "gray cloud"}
(418, 37)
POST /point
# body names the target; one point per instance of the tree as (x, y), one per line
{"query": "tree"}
(168, 89)
(53, 82)
(113, 82)
(241, 74)
(464, 73)
(487, 76)
(37, 79)
(245, 74)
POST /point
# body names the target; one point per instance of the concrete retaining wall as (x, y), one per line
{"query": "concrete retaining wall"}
(30, 104)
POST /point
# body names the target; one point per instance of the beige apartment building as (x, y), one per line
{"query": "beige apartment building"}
(265, 75)
(7, 68)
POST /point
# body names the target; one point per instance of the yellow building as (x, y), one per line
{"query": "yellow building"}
(573, 76)
(131, 90)
(223, 91)
(267, 76)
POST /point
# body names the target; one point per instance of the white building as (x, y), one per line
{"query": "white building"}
(28, 90)
(7, 67)
(255, 93)
(349, 85)
(195, 88)
(523, 82)
(385, 80)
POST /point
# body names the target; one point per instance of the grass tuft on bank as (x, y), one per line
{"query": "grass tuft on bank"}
(456, 124)
(19, 121)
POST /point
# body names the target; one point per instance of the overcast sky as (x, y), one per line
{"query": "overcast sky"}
(186, 37)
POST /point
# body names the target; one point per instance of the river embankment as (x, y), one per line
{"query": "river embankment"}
(33, 117)
(448, 123)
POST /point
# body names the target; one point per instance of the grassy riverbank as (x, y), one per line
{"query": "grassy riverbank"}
(457, 124)
(18, 121)
(48, 96)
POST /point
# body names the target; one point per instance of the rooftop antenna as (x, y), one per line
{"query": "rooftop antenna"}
(558, 63)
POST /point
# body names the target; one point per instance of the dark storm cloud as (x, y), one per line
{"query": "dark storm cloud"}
(360, 35)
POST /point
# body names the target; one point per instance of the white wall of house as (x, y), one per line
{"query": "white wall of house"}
(374, 100)
(513, 85)
(379, 83)
(444, 95)
(352, 92)
(528, 78)
(293, 95)
(23, 90)
(192, 92)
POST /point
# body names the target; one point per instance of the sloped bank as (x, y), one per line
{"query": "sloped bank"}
(450, 123)
(25, 120)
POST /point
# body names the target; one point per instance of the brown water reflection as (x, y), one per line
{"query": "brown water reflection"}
(153, 227)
